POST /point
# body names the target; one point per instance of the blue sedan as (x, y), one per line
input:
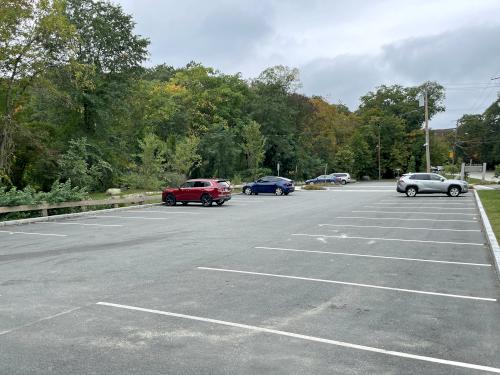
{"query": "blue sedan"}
(323, 179)
(269, 184)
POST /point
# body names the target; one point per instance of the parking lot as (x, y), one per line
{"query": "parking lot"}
(357, 279)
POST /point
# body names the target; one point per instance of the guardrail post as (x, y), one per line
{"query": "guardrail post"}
(45, 212)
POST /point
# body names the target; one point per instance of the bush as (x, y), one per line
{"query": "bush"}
(313, 187)
(497, 170)
(60, 192)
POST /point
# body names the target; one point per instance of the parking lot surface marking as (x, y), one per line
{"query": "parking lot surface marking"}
(415, 212)
(425, 208)
(39, 321)
(132, 217)
(34, 234)
(388, 239)
(372, 256)
(306, 337)
(82, 224)
(407, 228)
(165, 212)
(348, 283)
(405, 219)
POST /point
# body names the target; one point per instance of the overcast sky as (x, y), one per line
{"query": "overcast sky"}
(343, 49)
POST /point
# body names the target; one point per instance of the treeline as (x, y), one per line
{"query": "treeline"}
(77, 104)
(478, 136)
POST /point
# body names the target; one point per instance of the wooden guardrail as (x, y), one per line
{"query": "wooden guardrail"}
(43, 208)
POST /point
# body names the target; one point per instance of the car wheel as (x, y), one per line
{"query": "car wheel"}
(206, 200)
(220, 203)
(311, 183)
(411, 191)
(170, 200)
(279, 191)
(343, 182)
(454, 191)
(248, 191)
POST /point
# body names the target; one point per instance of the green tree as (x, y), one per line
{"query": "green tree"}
(186, 156)
(150, 169)
(253, 146)
(34, 35)
(83, 165)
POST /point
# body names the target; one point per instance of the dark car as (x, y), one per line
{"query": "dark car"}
(205, 191)
(269, 184)
(323, 179)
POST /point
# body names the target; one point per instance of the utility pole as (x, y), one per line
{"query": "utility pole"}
(378, 152)
(427, 146)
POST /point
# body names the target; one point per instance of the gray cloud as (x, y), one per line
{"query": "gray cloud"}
(468, 55)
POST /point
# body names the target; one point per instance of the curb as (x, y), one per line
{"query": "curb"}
(76, 214)
(492, 240)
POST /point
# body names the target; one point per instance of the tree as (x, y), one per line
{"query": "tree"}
(363, 160)
(253, 146)
(276, 107)
(186, 156)
(84, 166)
(403, 102)
(108, 52)
(35, 36)
(149, 172)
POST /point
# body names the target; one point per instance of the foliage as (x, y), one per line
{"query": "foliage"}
(33, 36)
(186, 156)
(149, 172)
(83, 164)
(253, 146)
(60, 192)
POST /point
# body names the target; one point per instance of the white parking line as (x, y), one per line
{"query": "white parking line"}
(374, 256)
(82, 224)
(424, 207)
(34, 234)
(416, 212)
(306, 337)
(407, 228)
(388, 239)
(348, 283)
(132, 217)
(338, 190)
(401, 204)
(164, 212)
(405, 219)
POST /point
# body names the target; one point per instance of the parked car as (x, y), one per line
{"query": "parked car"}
(270, 184)
(205, 191)
(417, 183)
(323, 179)
(344, 177)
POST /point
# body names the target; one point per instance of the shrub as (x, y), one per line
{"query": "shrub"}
(497, 170)
(60, 192)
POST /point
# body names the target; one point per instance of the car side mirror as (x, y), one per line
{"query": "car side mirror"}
(442, 179)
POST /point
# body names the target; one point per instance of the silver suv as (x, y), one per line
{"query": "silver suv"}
(343, 177)
(413, 183)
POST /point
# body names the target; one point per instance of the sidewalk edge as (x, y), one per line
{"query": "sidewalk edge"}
(490, 235)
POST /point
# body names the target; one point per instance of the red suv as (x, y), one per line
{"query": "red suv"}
(205, 191)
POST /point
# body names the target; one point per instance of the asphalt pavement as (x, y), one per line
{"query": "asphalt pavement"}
(357, 279)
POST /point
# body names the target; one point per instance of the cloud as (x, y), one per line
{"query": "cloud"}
(450, 58)
(213, 33)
